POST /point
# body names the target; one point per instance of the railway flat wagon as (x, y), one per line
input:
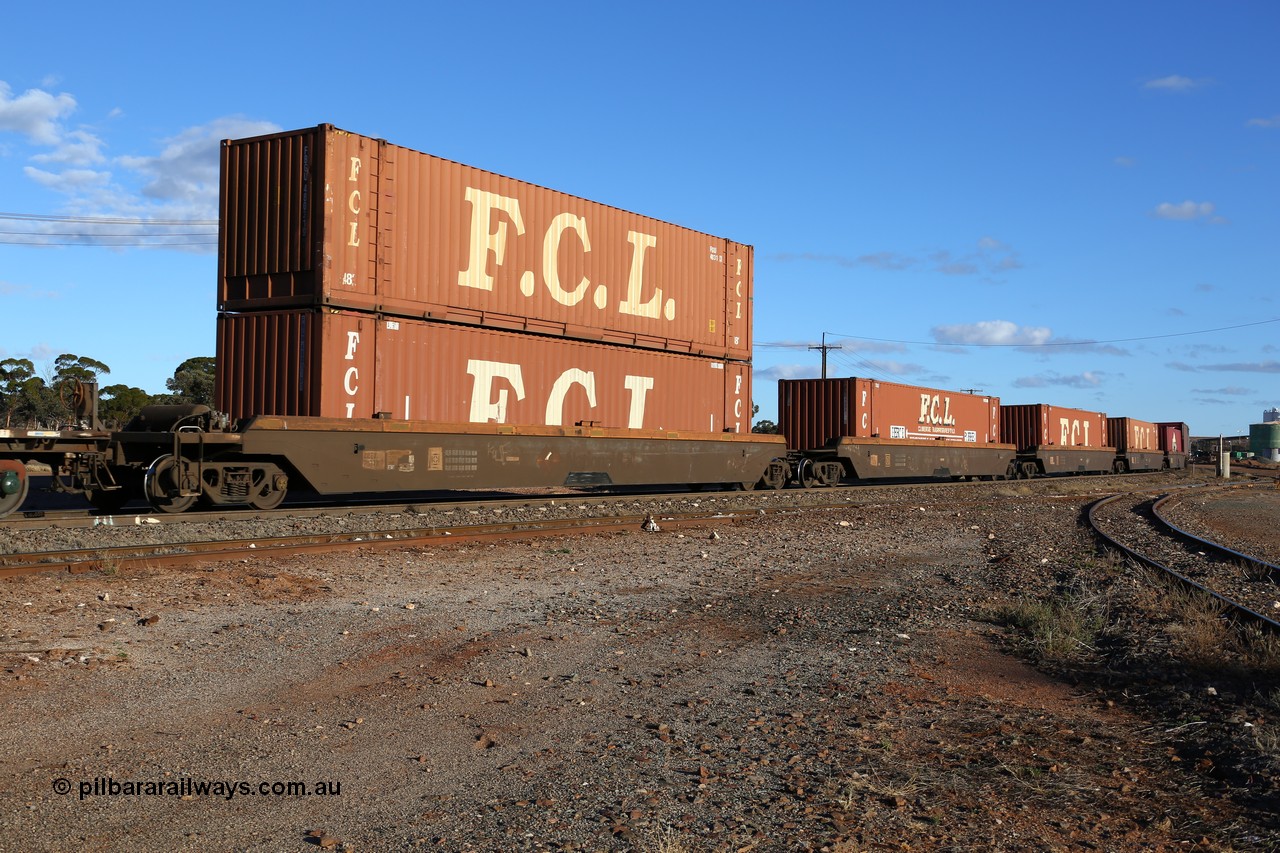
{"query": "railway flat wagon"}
(1173, 438)
(1057, 440)
(321, 217)
(1137, 445)
(869, 429)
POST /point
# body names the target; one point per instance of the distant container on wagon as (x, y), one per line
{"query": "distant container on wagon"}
(342, 364)
(1137, 444)
(323, 217)
(813, 412)
(884, 429)
(1042, 425)
(1056, 439)
(1173, 437)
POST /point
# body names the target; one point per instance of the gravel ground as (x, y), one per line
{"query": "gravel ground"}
(862, 678)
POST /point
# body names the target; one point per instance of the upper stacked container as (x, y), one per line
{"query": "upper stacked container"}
(322, 217)
(322, 220)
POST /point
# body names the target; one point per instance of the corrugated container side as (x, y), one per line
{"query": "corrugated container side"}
(325, 217)
(812, 412)
(1027, 425)
(1130, 434)
(1173, 436)
(346, 364)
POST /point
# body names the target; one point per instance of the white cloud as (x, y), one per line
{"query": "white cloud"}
(786, 371)
(69, 181)
(1246, 367)
(1087, 379)
(1274, 121)
(77, 148)
(35, 114)
(1125, 162)
(184, 175)
(1187, 211)
(1174, 83)
(991, 333)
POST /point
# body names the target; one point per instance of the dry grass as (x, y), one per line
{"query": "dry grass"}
(1198, 629)
(666, 840)
(1063, 628)
(860, 786)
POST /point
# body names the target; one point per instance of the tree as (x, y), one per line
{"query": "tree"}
(70, 366)
(193, 381)
(15, 374)
(118, 404)
(765, 427)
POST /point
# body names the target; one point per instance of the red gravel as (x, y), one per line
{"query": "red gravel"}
(834, 679)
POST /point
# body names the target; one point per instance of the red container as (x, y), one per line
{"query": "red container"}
(1172, 436)
(322, 217)
(1040, 425)
(1127, 435)
(351, 365)
(812, 412)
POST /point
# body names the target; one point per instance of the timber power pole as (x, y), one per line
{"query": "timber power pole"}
(825, 349)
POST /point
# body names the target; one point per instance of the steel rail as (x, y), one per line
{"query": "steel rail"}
(1271, 569)
(174, 554)
(1232, 606)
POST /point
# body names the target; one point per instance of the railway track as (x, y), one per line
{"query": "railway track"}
(1244, 585)
(175, 554)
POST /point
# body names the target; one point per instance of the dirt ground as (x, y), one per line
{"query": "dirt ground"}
(829, 679)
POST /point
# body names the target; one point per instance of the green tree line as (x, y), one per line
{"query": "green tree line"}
(31, 400)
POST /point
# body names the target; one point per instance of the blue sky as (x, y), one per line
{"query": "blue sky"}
(1075, 204)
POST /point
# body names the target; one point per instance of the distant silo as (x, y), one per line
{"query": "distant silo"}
(1264, 440)
(1271, 416)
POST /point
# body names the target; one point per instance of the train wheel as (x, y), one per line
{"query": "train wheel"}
(14, 485)
(271, 485)
(162, 487)
(774, 478)
(807, 477)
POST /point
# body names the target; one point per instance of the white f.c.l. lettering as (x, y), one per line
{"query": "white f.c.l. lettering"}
(354, 203)
(485, 239)
(555, 401)
(639, 386)
(551, 258)
(351, 378)
(483, 407)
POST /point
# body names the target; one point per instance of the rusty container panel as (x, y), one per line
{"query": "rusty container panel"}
(1172, 436)
(1031, 425)
(293, 363)
(1130, 434)
(814, 412)
(322, 217)
(350, 365)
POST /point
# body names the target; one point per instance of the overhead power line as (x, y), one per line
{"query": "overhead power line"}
(115, 232)
(105, 220)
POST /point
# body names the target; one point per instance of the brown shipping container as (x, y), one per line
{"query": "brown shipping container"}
(351, 365)
(1172, 436)
(812, 412)
(1040, 425)
(1129, 434)
(322, 217)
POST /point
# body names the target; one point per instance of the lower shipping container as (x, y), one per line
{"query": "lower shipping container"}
(353, 365)
(1032, 425)
(813, 413)
(1131, 434)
